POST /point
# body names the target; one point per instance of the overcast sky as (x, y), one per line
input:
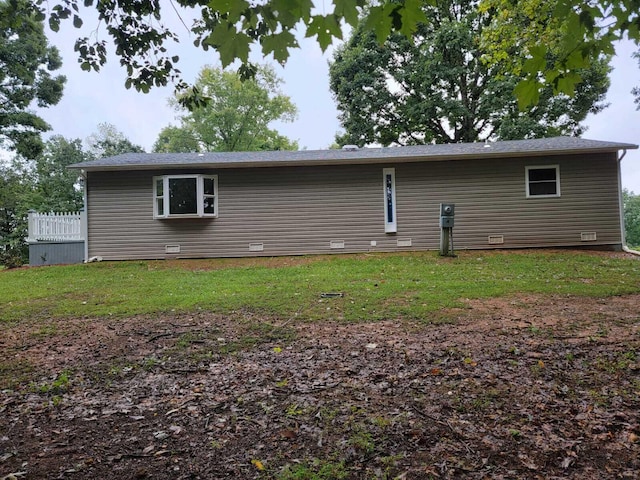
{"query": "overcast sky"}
(93, 98)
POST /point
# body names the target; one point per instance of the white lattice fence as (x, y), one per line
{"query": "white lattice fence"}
(55, 227)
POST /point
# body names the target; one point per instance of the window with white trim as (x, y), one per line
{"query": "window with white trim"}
(542, 181)
(180, 196)
(389, 183)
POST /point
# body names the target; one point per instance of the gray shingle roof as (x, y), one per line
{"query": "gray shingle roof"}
(457, 151)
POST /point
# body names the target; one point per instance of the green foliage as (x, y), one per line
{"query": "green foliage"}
(237, 116)
(55, 187)
(26, 63)
(631, 204)
(45, 184)
(108, 141)
(437, 87)
(636, 90)
(560, 39)
(233, 27)
(13, 184)
(176, 140)
(316, 470)
(414, 286)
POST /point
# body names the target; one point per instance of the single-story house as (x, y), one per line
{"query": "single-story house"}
(511, 194)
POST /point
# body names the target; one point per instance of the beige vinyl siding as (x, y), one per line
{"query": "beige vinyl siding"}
(299, 210)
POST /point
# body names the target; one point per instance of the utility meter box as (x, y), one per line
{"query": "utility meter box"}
(447, 215)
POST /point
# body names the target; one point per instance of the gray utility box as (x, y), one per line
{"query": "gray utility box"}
(447, 215)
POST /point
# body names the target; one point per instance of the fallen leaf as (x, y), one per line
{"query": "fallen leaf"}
(566, 463)
(258, 464)
(288, 433)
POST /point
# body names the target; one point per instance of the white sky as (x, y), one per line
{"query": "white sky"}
(93, 98)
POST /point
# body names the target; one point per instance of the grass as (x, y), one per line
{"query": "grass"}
(376, 286)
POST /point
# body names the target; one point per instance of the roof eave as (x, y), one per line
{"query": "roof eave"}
(351, 160)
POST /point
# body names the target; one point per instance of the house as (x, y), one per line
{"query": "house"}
(526, 193)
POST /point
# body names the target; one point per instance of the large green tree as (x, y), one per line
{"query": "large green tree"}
(232, 27)
(631, 203)
(44, 184)
(436, 87)
(238, 117)
(13, 225)
(56, 188)
(108, 141)
(174, 139)
(26, 65)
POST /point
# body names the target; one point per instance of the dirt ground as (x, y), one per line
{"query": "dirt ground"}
(517, 388)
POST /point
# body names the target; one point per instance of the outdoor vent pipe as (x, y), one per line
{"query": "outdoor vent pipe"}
(625, 248)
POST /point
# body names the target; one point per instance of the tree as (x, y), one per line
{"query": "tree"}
(44, 184)
(26, 63)
(232, 27)
(56, 188)
(631, 204)
(174, 139)
(237, 117)
(636, 90)
(108, 141)
(436, 87)
(13, 225)
(586, 29)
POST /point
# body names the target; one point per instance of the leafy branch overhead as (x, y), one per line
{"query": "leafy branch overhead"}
(436, 87)
(233, 27)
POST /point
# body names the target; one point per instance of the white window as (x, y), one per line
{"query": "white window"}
(179, 196)
(389, 183)
(542, 181)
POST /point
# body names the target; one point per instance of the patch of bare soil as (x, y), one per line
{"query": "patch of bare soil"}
(527, 387)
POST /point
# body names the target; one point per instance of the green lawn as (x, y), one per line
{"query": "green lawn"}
(376, 286)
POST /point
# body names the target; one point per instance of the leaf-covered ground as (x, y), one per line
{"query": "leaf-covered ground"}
(536, 387)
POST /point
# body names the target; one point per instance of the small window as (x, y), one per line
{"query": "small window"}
(185, 196)
(389, 181)
(543, 181)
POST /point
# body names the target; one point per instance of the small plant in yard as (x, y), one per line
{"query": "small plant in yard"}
(58, 385)
(294, 410)
(362, 440)
(316, 470)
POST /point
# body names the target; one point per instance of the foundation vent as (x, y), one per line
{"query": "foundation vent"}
(496, 239)
(256, 247)
(588, 236)
(334, 244)
(172, 249)
(403, 242)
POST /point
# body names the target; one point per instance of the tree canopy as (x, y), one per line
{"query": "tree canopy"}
(237, 118)
(108, 141)
(232, 27)
(436, 87)
(26, 63)
(631, 204)
(45, 184)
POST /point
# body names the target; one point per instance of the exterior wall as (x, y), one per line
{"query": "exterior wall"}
(300, 210)
(56, 253)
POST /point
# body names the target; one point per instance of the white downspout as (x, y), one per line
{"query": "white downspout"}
(625, 248)
(84, 219)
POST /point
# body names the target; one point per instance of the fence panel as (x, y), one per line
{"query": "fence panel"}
(55, 227)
